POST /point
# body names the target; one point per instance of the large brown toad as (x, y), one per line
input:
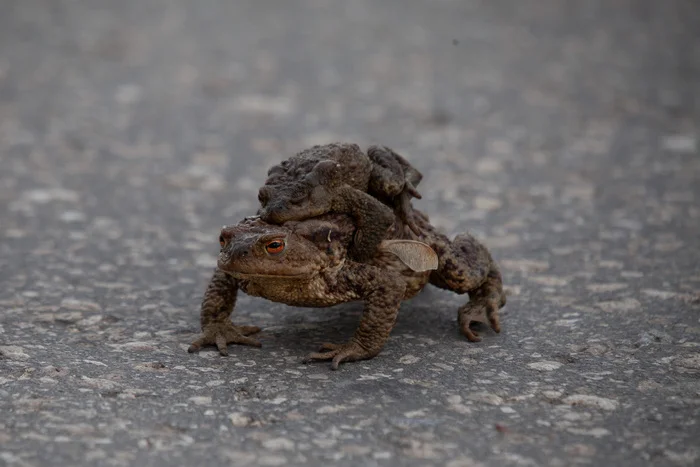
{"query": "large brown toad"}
(305, 263)
(340, 178)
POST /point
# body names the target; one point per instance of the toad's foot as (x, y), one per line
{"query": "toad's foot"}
(223, 333)
(482, 308)
(348, 352)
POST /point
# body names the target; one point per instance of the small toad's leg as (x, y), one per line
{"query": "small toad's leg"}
(217, 328)
(483, 306)
(372, 217)
(466, 266)
(382, 292)
(394, 178)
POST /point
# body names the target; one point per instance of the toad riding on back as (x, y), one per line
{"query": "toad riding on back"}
(307, 262)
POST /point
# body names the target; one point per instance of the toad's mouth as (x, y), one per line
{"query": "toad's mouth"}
(252, 275)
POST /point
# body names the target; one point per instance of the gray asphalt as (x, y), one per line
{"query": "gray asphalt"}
(565, 134)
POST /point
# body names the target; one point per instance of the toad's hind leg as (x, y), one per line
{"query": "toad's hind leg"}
(466, 266)
(394, 180)
(483, 306)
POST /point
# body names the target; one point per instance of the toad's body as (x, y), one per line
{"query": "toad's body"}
(323, 281)
(306, 263)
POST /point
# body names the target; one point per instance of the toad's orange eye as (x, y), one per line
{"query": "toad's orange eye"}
(222, 242)
(275, 247)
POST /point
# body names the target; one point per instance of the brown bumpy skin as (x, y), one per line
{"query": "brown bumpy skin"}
(466, 266)
(305, 263)
(340, 178)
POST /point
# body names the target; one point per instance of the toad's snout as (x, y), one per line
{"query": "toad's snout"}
(234, 247)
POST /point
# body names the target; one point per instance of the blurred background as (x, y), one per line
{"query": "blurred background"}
(186, 104)
(563, 133)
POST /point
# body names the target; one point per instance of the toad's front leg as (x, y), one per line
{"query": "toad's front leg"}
(217, 328)
(372, 218)
(382, 292)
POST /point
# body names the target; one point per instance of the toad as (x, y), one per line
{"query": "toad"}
(340, 178)
(305, 263)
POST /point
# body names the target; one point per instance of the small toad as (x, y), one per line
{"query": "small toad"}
(305, 263)
(340, 178)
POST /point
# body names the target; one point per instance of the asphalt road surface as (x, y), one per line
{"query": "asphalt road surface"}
(564, 134)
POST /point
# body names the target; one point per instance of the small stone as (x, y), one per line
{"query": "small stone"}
(552, 395)
(485, 203)
(604, 288)
(649, 385)
(80, 305)
(627, 304)
(200, 400)
(272, 461)
(661, 294)
(679, 143)
(150, 366)
(13, 351)
(278, 444)
(653, 336)
(356, 450)
(525, 265)
(544, 366)
(690, 361)
(95, 362)
(205, 260)
(487, 166)
(688, 457)
(72, 216)
(592, 401)
(595, 432)
(240, 420)
(55, 194)
(326, 409)
(506, 241)
(485, 397)
(579, 449)
(573, 416)
(551, 281)
(464, 462)
(409, 359)
(259, 104)
(596, 349)
(128, 94)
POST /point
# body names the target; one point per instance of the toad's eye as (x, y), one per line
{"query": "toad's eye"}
(275, 247)
(222, 241)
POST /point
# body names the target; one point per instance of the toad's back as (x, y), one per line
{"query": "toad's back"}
(355, 166)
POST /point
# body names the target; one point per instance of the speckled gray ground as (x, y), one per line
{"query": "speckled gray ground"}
(564, 133)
